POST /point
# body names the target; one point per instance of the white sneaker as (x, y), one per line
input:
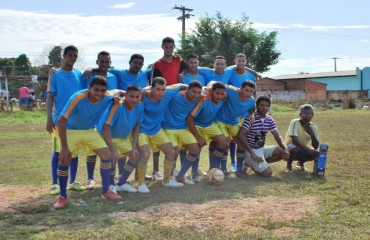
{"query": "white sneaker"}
(172, 183)
(158, 176)
(143, 188)
(126, 188)
(112, 188)
(175, 173)
(90, 184)
(188, 181)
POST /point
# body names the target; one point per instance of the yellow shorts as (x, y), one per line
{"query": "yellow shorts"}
(85, 139)
(180, 137)
(153, 140)
(229, 130)
(55, 140)
(209, 132)
(122, 145)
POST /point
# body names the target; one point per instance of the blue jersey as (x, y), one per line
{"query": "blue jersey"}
(111, 79)
(177, 111)
(233, 107)
(188, 78)
(205, 112)
(154, 111)
(236, 79)
(125, 78)
(81, 114)
(211, 75)
(63, 85)
(121, 120)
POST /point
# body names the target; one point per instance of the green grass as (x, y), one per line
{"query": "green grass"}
(342, 210)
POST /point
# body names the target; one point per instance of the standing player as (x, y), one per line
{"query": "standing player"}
(239, 101)
(300, 133)
(201, 125)
(152, 136)
(192, 70)
(177, 130)
(61, 86)
(253, 137)
(241, 72)
(120, 126)
(76, 127)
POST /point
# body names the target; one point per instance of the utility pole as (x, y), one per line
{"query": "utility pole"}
(335, 63)
(183, 17)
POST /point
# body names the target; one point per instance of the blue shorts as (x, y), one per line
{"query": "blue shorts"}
(23, 100)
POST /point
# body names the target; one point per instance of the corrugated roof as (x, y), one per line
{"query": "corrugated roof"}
(316, 75)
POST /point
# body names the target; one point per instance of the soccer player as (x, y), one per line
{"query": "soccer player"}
(219, 73)
(76, 128)
(152, 136)
(253, 137)
(62, 84)
(177, 130)
(120, 126)
(192, 73)
(241, 72)
(300, 134)
(201, 124)
(239, 102)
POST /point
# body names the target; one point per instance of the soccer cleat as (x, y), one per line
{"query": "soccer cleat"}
(196, 179)
(226, 173)
(76, 186)
(112, 188)
(111, 196)
(54, 190)
(241, 175)
(126, 188)
(233, 168)
(301, 168)
(61, 203)
(90, 184)
(148, 177)
(157, 176)
(143, 188)
(172, 183)
(288, 169)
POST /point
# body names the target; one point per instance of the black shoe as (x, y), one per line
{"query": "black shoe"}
(241, 175)
(148, 177)
(226, 173)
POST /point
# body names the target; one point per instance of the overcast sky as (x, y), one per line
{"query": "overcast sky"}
(310, 34)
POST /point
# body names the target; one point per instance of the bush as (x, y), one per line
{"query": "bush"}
(349, 103)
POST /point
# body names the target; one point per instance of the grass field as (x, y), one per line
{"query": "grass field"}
(285, 206)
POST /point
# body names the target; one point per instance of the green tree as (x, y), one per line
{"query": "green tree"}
(55, 57)
(22, 66)
(221, 36)
(6, 65)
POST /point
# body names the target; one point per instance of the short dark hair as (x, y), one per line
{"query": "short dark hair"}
(133, 87)
(264, 98)
(219, 57)
(306, 107)
(69, 48)
(218, 85)
(194, 84)
(240, 55)
(249, 84)
(159, 81)
(103, 53)
(99, 80)
(168, 40)
(191, 55)
(136, 55)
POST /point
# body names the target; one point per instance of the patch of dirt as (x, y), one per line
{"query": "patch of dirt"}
(14, 197)
(253, 214)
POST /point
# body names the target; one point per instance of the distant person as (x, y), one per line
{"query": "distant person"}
(23, 97)
(253, 138)
(300, 134)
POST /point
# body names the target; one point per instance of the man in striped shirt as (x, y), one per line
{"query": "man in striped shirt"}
(253, 137)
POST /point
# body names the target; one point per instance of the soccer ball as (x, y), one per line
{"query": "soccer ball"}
(215, 176)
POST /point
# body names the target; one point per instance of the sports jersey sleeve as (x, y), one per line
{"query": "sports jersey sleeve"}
(198, 108)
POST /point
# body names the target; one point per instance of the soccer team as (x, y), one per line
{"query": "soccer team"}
(177, 108)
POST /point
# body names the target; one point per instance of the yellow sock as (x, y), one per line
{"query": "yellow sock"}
(141, 170)
(167, 165)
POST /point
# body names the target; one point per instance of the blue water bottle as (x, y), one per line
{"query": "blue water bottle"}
(320, 162)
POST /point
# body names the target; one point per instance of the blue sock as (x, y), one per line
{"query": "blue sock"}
(211, 149)
(239, 159)
(54, 167)
(73, 170)
(127, 170)
(217, 158)
(105, 169)
(182, 155)
(187, 163)
(232, 152)
(224, 161)
(194, 168)
(63, 179)
(90, 165)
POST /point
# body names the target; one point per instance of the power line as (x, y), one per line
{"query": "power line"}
(183, 17)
